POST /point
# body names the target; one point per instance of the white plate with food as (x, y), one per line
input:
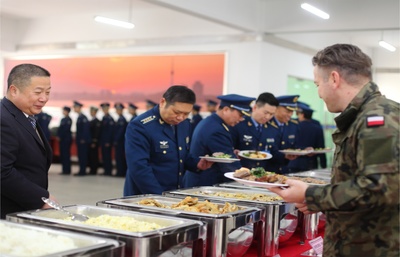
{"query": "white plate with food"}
(255, 155)
(296, 151)
(253, 183)
(322, 150)
(219, 159)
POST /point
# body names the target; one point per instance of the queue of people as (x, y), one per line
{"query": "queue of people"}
(361, 203)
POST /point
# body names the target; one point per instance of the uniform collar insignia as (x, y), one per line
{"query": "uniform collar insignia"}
(226, 127)
(161, 121)
(249, 123)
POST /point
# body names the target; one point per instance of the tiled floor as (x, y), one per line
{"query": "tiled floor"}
(86, 190)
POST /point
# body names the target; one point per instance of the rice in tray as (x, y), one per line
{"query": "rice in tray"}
(27, 242)
(121, 223)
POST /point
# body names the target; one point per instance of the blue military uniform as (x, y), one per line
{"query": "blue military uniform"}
(65, 141)
(311, 136)
(213, 135)
(43, 119)
(286, 135)
(83, 140)
(95, 130)
(106, 140)
(196, 118)
(157, 157)
(249, 135)
(119, 142)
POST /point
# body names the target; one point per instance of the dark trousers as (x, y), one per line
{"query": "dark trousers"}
(65, 156)
(120, 159)
(93, 158)
(83, 149)
(107, 160)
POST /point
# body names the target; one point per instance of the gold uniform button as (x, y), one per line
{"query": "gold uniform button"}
(260, 144)
(247, 143)
(164, 152)
(180, 148)
(180, 173)
(181, 161)
(283, 142)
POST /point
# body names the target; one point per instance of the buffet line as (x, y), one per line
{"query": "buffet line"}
(214, 221)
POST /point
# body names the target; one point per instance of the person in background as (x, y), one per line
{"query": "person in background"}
(157, 145)
(82, 138)
(362, 202)
(43, 119)
(150, 104)
(311, 135)
(64, 135)
(106, 139)
(25, 153)
(286, 132)
(211, 106)
(196, 117)
(132, 110)
(251, 133)
(212, 135)
(119, 141)
(95, 130)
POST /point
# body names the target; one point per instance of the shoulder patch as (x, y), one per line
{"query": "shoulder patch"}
(148, 119)
(375, 121)
(226, 127)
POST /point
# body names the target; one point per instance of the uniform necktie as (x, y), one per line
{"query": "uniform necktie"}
(32, 120)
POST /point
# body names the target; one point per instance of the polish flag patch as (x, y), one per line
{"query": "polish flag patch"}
(375, 121)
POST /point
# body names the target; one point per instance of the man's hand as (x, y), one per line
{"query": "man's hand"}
(204, 164)
(295, 193)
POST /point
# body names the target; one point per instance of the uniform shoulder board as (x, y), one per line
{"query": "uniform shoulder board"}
(294, 121)
(227, 129)
(273, 124)
(249, 124)
(148, 119)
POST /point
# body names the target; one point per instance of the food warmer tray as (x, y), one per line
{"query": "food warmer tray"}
(228, 234)
(323, 174)
(178, 237)
(280, 217)
(82, 244)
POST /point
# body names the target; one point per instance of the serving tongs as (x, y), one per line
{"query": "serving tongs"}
(57, 206)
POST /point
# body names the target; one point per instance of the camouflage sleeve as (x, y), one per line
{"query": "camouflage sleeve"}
(371, 171)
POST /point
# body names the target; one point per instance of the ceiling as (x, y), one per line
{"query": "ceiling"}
(30, 25)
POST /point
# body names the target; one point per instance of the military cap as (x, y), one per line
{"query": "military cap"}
(131, 105)
(288, 101)
(66, 108)
(76, 103)
(119, 106)
(238, 102)
(303, 107)
(150, 102)
(93, 108)
(212, 102)
(105, 105)
(196, 107)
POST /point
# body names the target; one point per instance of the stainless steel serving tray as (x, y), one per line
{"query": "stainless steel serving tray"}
(85, 245)
(323, 174)
(280, 218)
(177, 235)
(228, 234)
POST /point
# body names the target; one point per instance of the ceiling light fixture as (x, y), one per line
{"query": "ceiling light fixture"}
(315, 11)
(109, 21)
(118, 23)
(386, 45)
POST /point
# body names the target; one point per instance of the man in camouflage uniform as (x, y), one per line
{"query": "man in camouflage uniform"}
(362, 202)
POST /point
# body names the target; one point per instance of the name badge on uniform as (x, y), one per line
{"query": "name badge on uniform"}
(291, 136)
(164, 144)
(247, 138)
(270, 140)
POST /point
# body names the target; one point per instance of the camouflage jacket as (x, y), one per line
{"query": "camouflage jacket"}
(362, 202)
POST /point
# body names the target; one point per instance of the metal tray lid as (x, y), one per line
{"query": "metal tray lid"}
(133, 201)
(31, 237)
(206, 192)
(170, 224)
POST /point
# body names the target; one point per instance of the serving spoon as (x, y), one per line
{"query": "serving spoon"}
(74, 216)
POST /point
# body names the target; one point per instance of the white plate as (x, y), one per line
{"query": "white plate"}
(221, 160)
(326, 150)
(241, 154)
(253, 183)
(293, 152)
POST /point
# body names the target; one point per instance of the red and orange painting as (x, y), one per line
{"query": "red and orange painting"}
(125, 79)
